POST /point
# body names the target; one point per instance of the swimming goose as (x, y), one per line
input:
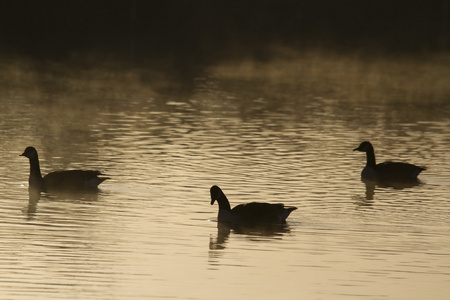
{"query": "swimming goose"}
(386, 171)
(60, 180)
(250, 214)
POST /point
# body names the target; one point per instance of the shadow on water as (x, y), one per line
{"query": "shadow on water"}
(35, 195)
(371, 185)
(224, 230)
(397, 185)
(33, 198)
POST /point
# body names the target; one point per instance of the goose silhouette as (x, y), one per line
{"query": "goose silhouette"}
(250, 214)
(75, 180)
(387, 171)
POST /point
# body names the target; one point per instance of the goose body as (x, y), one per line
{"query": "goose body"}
(250, 214)
(60, 180)
(386, 171)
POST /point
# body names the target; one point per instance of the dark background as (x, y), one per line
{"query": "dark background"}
(207, 30)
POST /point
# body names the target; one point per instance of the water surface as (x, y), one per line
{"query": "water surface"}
(150, 231)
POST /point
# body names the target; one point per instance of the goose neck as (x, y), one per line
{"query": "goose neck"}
(35, 171)
(371, 162)
(224, 204)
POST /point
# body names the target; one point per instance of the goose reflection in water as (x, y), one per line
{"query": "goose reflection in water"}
(224, 230)
(35, 194)
(33, 198)
(372, 185)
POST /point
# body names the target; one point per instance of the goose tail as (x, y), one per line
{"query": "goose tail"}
(287, 211)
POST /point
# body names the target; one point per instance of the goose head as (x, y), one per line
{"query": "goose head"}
(216, 194)
(364, 147)
(30, 152)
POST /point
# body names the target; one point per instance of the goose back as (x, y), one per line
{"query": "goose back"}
(73, 179)
(390, 170)
(256, 212)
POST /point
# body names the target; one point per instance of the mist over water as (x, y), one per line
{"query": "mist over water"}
(267, 121)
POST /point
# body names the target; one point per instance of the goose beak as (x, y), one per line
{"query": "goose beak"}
(212, 201)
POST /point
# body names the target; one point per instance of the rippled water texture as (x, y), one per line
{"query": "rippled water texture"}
(281, 132)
